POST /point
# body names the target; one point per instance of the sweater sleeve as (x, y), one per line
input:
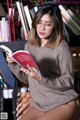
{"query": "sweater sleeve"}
(15, 68)
(66, 79)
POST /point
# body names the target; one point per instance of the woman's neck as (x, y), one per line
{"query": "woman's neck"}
(44, 41)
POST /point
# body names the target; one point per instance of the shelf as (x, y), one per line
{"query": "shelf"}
(15, 45)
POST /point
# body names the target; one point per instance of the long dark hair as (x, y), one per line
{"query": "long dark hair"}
(57, 34)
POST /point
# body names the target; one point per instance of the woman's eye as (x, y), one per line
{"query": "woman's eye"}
(48, 24)
(39, 22)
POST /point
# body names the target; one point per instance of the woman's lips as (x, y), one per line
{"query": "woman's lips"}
(40, 33)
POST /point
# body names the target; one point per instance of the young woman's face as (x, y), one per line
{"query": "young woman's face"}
(45, 27)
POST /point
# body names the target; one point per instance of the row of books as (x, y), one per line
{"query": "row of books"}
(26, 16)
(4, 31)
(7, 27)
(71, 19)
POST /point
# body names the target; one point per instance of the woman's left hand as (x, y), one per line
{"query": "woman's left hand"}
(29, 71)
(23, 103)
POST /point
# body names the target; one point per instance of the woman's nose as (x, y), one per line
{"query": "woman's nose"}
(43, 27)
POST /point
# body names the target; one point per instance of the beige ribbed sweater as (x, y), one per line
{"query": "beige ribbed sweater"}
(57, 84)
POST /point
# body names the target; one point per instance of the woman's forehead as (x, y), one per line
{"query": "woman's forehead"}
(46, 17)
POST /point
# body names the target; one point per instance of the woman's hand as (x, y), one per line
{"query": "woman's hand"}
(29, 71)
(9, 59)
(23, 104)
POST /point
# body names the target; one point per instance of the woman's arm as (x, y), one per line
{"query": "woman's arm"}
(15, 68)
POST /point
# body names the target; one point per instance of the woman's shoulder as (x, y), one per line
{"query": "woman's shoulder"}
(63, 44)
(27, 45)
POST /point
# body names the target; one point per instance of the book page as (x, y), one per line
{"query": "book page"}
(7, 50)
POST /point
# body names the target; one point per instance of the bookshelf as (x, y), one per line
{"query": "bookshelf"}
(19, 43)
(72, 12)
(74, 33)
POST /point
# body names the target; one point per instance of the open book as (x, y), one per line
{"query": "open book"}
(22, 58)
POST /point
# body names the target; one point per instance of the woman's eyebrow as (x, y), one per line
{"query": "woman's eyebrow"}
(47, 21)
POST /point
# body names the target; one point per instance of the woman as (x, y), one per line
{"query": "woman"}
(52, 95)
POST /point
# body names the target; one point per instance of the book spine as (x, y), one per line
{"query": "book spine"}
(69, 26)
(24, 17)
(32, 12)
(22, 20)
(4, 29)
(35, 9)
(1, 39)
(72, 28)
(28, 16)
(64, 12)
(75, 17)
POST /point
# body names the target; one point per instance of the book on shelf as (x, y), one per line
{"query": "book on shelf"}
(22, 18)
(74, 16)
(6, 74)
(28, 16)
(4, 31)
(32, 12)
(70, 26)
(22, 58)
(67, 15)
(35, 8)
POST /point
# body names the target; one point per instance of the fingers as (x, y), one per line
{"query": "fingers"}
(28, 95)
(20, 116)
(29, 71)
(23, 104)
(23, 98)
(23, 95)
(9, 59)
(25, 70)
(23, 108)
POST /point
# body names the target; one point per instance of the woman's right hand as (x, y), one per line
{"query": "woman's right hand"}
(9, 59)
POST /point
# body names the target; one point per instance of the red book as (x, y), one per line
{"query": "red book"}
(22, 58)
